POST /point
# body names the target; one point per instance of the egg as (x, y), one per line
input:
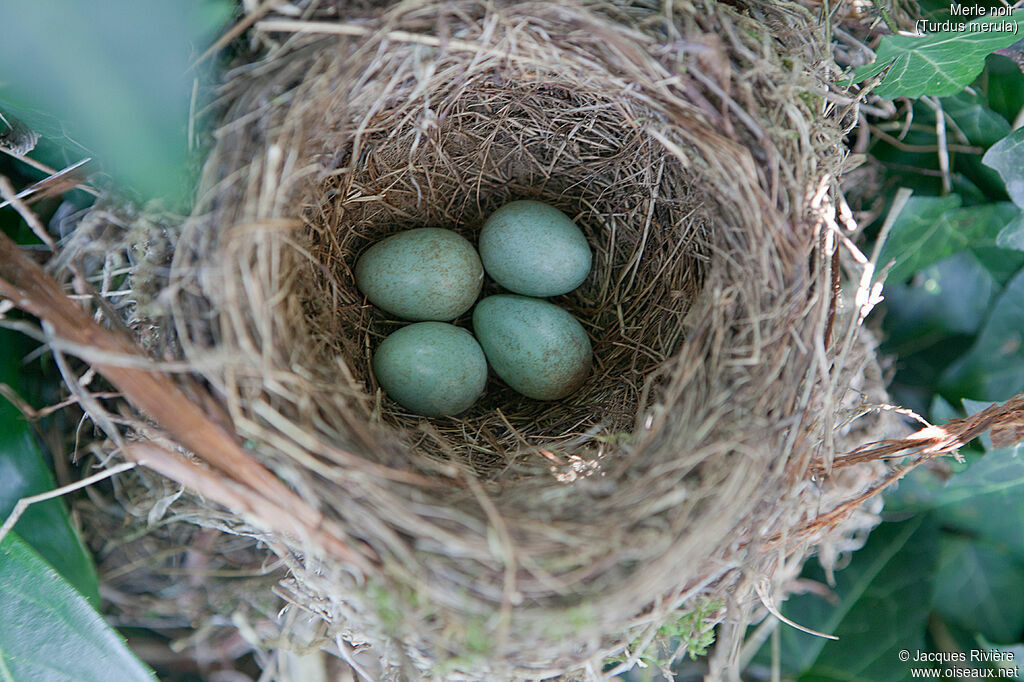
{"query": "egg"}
(422, 274)
(534, 249)
(431, 368)
(537, 348)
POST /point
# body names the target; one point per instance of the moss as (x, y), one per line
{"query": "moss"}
(690, 631)
(387, 607)
(617, 438)
(695, 629)
(580, 617)
(444, 669)
(477, 640)
(811, 101)
(572, 621)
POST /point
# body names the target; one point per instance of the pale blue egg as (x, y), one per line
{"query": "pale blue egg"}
(537, 348)
(534, 249)
(431, 368)
(422, 274)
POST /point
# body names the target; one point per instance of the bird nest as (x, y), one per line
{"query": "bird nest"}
(695, 145)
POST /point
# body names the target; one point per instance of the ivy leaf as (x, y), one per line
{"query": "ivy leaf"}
(1006, 157)
(939, 64)
(941, 411)
(946, 298)
(980, 587)
(883, 600)
(1005, 91)
(930, 229)
(993, 368)
(980, 226)
(969, 116)
(1012, 236)
(24, 472)
(916, 226)
(981, 125)
(1001, 263)
(986, 500)
(49, 633)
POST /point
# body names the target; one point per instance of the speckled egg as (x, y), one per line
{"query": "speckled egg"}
(536, 347)
(431, 368)
(534, 249)
(422, 274)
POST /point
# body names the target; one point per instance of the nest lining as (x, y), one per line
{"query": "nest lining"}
(690, 147)
(510, 141)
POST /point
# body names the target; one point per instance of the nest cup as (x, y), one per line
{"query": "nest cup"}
(527, 539)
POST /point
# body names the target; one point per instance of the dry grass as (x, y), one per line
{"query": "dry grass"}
(696, 147)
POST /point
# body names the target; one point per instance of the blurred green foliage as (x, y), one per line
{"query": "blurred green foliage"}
(110, 80)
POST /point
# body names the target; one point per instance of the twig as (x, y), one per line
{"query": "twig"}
(903, 195)
(1005, 421)
(921, 148)
(885, 16)
(940, 135)
(25, 502)
(56, 183)
(769, 603)
(40, 166)
(11, 198)
(347, 655)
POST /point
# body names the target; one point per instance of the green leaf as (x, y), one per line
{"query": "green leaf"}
(941, 411)
(111, 77)
(940, 63)
(949, 297)
(883, 599)
(968, 113)
(915, 229)
(985, 500)
(1001, 263)
(934, 9)
(981, 125)
(998, 471)
(49, 633)
(1012, 236)
(24, 472)
(980, 226)
(915, 162)
(993, 368)
(1004, 88)
(1006, 157)
(978, 587)
(929, 229)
